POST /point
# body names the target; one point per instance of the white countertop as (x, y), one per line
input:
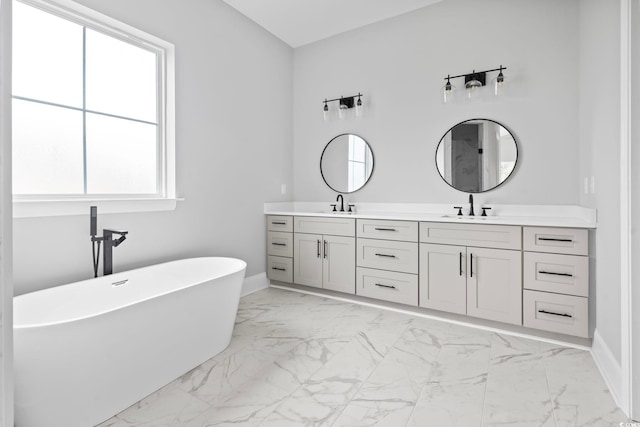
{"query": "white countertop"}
(531, 215)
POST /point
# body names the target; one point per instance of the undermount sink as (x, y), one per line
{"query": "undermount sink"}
(473, 218)
(338, 213)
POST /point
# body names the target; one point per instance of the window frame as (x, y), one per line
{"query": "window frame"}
(165, 196)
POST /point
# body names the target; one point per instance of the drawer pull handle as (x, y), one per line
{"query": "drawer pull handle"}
(385, 229)
(278, 268)
(461, 263)
(318, 248)
(278, 223)
(385, 286)
(555, 274)
(471, 261)
(386, 255)
(552, 239)
(278, 244)
(555, 314)
(325, 248)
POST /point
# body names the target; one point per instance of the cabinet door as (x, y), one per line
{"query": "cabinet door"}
(494, 284)
(307, 259)
(443, 277)
(339, 267)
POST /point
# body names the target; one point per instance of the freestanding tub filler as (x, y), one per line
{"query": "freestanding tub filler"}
(87, 350)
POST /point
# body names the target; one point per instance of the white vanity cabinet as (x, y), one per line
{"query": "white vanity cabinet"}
(387, 260)
(556, 280)
(483, 280)
(324, 253)
(528, 275)
(443, 277)
(280, 248)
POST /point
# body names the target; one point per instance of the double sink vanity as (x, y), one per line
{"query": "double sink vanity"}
(519, 265)
(522, 270)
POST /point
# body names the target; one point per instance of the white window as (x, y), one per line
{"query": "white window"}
(92, 112)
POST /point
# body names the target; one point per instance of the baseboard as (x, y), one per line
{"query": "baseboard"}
(608, 365)
(254, 283)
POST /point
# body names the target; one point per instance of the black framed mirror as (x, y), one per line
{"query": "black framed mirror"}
(477, 155)
(346, 164)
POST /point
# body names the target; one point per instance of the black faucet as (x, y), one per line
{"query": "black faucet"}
(109, 244)
(471, 213)
(341, 200)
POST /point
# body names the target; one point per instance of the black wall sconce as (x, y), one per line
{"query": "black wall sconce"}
(473, 81)
(345, 103)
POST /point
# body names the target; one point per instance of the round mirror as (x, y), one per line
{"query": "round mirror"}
(346, 163)
(476, 155)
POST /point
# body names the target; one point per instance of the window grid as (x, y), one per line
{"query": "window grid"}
(160, 134)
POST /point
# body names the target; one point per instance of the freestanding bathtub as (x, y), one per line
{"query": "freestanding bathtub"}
(87, 350)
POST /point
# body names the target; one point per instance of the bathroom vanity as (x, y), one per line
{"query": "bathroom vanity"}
(531, 271)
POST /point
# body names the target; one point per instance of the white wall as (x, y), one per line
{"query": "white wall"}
(399, 65)
(233, 144)
(635, 198)
(599, 131)
(6, 285)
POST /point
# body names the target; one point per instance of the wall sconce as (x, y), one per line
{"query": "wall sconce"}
(345, 103)
(474, 81)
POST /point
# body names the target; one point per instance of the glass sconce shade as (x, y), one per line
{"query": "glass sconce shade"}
(359, 107)
(499, 84)
(472, 88)
(342, 112)
(448, 91)
(325, 111)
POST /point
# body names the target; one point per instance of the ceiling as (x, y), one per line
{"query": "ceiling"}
(299, 22)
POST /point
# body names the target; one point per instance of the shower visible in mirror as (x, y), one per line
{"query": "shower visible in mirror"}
(476, 155)
(346, 163)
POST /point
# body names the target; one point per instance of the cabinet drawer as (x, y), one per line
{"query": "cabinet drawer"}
(279, 243)
(572, 241)
(280, 269)
(556, 313)
(406, 231)
(387, 285)
(280, 223)
(319, 225)
(562, 274)
(480, 235)
(388, 255)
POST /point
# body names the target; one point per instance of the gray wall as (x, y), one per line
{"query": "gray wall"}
(233, 144)
(399, 65)
(599, 131)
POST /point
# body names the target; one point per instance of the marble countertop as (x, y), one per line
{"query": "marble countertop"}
(529, 215)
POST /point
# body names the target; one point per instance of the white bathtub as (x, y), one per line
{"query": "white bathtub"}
(87, 350)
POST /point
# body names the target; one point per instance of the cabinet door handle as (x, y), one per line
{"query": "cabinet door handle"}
(278, 244)
(555, 274)
(461, 263)
(386, 255)
(385, 286)
(553, 239)
(325, 248)
(385, 229)
(278, 268)
(471, 260)
(278, 223)
(318, 248)
(555, 314)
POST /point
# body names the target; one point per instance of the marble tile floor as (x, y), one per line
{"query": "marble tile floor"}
(303, 360)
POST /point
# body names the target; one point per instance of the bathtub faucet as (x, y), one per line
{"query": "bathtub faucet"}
(107, 239)
(109, 244)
